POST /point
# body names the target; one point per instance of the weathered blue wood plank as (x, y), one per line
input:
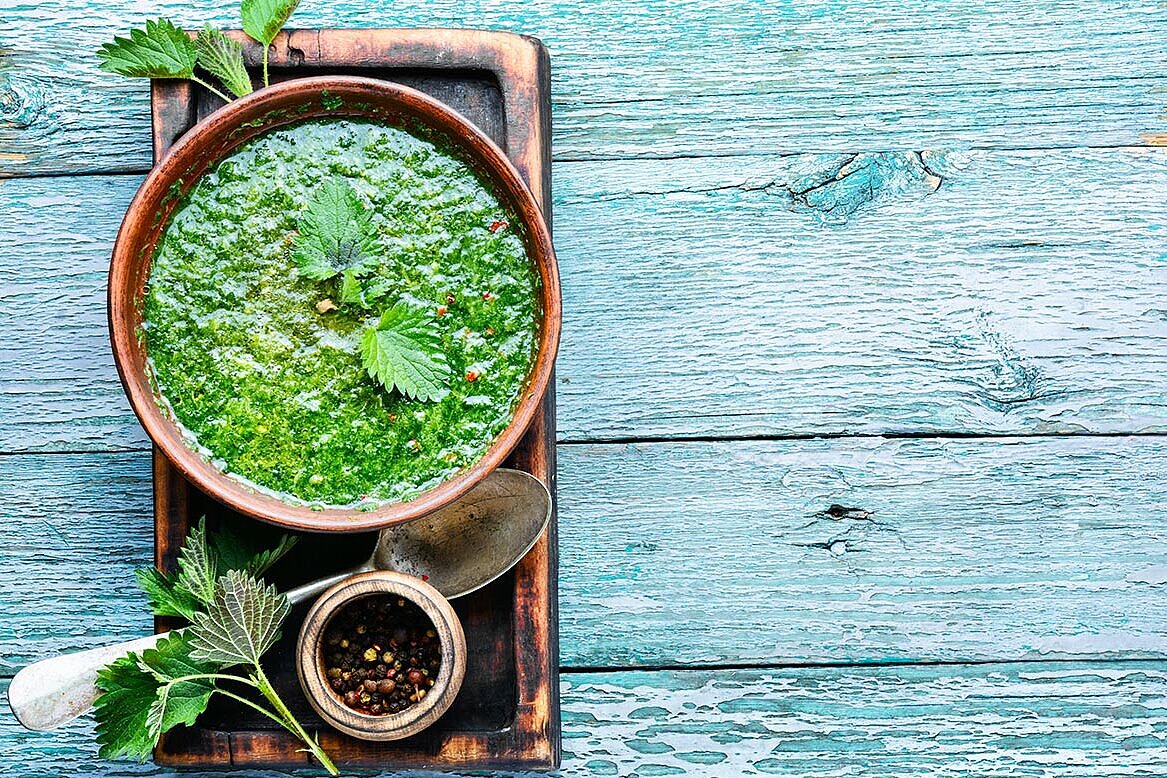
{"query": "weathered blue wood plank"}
(1041, 720)
(862, 551)
(665, 78)
(979, 292)
(685, 553)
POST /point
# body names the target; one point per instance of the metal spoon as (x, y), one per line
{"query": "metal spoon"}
(457, 549)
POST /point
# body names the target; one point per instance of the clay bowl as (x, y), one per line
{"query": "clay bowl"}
(310, 664)
(218, 135)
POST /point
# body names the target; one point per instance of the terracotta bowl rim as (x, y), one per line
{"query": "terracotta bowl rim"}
(127, 278)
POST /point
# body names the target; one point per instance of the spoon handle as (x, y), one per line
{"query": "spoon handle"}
(55, 691)
(310, 590)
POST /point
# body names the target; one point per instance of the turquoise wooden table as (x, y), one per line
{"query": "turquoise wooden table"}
(862, 394)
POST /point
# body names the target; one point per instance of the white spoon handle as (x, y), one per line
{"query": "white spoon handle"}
(55, 691)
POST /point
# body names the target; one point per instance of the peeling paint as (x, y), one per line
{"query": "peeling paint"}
(1155, 575)
(834, 187)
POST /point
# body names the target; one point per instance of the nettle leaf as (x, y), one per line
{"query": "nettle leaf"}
(363, 291)
(202, 558)
(177, 701)
(127, 692)
(160, 51)
(263, 19)
(223, 58)
(404, 352)
(241, 623)
(262, 562)
(197, 568)
(234, 551)
(336, 234)
(141, 698)
(350, 289)
(166, 597)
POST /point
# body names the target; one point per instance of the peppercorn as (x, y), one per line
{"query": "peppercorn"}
(396, 661)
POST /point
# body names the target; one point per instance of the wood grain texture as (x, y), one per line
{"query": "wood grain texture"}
(665, 78)
(1044, 720)
(896, 283)
(977, 292)
(688, 553)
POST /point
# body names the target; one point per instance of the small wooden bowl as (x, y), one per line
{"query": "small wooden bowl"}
(392, 726)
(217, 136)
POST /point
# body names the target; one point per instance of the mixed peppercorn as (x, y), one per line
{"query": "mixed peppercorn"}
(381, 654)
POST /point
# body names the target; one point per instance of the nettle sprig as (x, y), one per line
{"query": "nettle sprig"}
(337, 244)
(163, 50)
(235, 618)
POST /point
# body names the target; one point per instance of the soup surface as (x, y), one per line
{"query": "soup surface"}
(261, 366)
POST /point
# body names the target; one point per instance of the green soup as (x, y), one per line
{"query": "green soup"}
(269, 388)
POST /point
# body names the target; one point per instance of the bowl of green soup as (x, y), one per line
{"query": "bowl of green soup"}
(334, 305)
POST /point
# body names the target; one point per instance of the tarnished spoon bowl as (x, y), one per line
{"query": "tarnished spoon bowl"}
(472, 541)
(463, 546)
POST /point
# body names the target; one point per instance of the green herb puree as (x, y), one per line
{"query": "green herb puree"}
(270, 389)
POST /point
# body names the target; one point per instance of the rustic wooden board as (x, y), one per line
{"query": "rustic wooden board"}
(665, 77)
(1041, 720)
(506, 714)
(1025, 295)
(718, 553)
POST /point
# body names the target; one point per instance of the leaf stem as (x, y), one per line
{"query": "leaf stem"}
(216, 677)
(265, 687)
(253, 683)
(265, 81)
(198, 80)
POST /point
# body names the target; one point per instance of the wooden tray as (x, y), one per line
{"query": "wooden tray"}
(507, 713)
